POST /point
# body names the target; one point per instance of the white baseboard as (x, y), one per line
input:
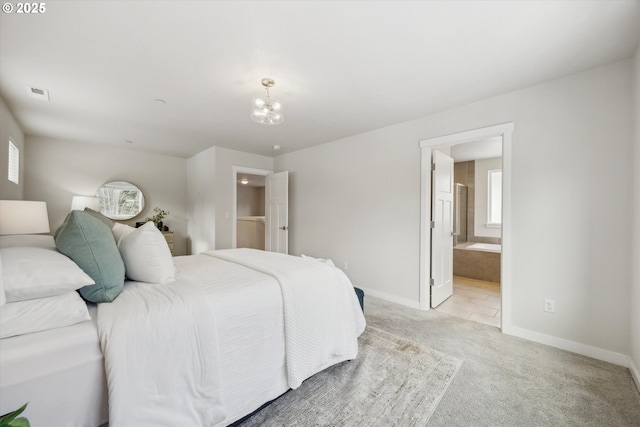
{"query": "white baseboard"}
(635, 373)
(388, 297)
(572, 346)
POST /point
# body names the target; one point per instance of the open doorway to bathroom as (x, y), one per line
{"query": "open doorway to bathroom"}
(489, 231)
(477, 228)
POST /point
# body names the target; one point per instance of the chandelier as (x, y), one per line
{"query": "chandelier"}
(267, 110)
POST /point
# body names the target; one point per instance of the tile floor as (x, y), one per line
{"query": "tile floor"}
(475, 300)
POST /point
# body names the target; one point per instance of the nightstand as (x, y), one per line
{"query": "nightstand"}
(168, 235)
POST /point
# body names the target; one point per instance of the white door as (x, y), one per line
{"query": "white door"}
(442, 229)
(277, 213)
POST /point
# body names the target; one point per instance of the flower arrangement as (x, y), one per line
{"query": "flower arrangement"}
(158, 217)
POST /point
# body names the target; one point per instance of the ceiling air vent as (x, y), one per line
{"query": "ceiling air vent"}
(41, 94)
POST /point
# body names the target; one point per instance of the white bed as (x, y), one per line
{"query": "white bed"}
(61, 372)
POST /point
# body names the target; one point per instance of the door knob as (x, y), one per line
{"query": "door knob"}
(284, 228)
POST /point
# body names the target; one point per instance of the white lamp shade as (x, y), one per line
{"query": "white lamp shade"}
(78, 203)
(23, 217)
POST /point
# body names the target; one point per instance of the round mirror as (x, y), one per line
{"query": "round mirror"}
(120, 200)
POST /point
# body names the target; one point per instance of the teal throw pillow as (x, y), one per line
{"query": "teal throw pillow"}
(101, 217)
(89, 243)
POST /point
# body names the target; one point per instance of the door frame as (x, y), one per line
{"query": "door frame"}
(505, 131)
(234, 210)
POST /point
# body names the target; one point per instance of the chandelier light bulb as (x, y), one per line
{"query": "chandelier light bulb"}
(266, 110)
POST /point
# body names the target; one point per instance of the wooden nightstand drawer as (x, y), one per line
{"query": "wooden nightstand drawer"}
(168, 235)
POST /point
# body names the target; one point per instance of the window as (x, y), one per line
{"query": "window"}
(494, 205)
(14, 163)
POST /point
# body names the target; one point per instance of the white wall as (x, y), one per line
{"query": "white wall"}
(358, 199)
(57, 170)
(634, 305)
(250, 200)
(9, 127)
(481, 187)
(201, 201)
(210, 187)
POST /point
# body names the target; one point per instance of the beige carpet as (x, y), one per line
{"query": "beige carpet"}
(392, 382)
(509, 381)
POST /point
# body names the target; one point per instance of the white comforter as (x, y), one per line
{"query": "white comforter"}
(161, 357)
(160, 341)
(322, 316)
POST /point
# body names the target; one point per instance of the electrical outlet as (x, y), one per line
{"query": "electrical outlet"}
(549, 305)
(345, 266)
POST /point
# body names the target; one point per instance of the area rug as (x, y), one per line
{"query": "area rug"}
(392, 382)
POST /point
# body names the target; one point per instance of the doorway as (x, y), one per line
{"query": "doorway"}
(250, 212)
(477, 235)
(248, 207)
(504, 132)
(274, 211)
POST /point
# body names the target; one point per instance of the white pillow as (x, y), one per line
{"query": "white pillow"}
(120, 231)
(146, 255)
(29, 273)
(40, 314)
(33, 240)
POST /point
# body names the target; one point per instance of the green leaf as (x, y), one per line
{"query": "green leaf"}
(6, 419)
(20, 422)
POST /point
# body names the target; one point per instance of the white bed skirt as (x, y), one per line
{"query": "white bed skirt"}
(60, 372)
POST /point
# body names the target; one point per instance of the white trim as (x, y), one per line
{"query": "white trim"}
(572, 346)
(505, 131)
(388, 297)
(635, 372)
(234, 208)
(468, 136)
(424, 302)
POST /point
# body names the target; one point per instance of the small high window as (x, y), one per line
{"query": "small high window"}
(14, 163)
(494, 205)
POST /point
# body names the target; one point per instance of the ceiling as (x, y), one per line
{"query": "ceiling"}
(341, 68)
